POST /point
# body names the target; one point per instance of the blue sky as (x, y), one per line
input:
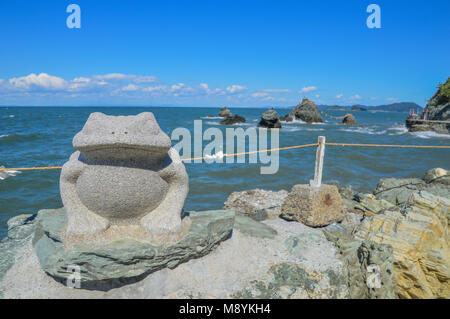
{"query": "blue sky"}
(214, 53)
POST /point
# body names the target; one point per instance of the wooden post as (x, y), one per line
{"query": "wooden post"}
(319, 163)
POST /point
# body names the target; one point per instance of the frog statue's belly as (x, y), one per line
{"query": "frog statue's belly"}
(120, 193)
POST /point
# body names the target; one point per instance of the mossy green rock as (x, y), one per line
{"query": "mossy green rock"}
(124, 261)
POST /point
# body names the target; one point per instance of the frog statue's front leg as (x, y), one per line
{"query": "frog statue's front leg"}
(166, 218)
(81, 221)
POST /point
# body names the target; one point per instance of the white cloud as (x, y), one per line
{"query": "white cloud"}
(122, 77)
(355, 97)
(260, 94)
(317, 95)
(177, 87)
(277, 90)
(130, 87)
(155, 88)
(41, 81)
(113, 77)
(145, 79)
(308, 89)
(392, 99)
(236, 88)
(339, 96)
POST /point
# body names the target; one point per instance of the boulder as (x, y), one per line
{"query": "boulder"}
(349, 119)
(124, 261)
(435, 174)
(225, 112)
(257, 204)
(315, 207)
(398, 190)
(287, 118)
(236, 119)
(306, 111)
(270, 119)
(418, 234)
(369, 265)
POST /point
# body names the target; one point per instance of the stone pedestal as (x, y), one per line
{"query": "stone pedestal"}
(125, 261)
(313, 206)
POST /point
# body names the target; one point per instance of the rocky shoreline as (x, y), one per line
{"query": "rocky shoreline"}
(396, 238)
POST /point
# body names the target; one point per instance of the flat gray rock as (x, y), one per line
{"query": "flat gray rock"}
(124, 261)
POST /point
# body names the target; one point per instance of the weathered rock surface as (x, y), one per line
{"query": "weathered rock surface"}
(287, 118)
(257, 204)
(315, 207)
(398, 190)
(236, 119)
(225, 112)
(126, 260)
(369, 265)
(306, 111)
(20, 228)
(349, 119)
(418, 233)
(290, 259)
(269, 119)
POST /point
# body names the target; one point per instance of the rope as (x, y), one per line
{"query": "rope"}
(385, 145)
(255, 152)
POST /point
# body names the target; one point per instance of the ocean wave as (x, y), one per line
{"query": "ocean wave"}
(366, 130)
(212, 118)
(428, 135)
(10, 138)
(8, 116)
(295, 121)
(397, 130)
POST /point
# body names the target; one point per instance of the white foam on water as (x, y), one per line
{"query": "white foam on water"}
(363, 130)
(295, 121)
(5, 135)
(397, 130)
(212, 118)
(428, 135)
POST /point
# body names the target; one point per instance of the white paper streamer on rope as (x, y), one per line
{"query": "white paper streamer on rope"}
(218, 155)
(5, 174)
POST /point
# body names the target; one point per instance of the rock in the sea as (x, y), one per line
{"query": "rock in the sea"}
(257, 204)
(270, 119)
(236, 119)
(369, 265)
(418, 234)
(315, 207)
(287, 118)
(306, 111)
(349, 119)
(438, 109)
(225, 112)
(398, 190)
(124, 261)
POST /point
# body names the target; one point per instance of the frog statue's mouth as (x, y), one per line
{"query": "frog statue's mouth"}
(123, 154)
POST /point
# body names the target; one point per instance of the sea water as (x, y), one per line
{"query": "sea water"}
(42, 136)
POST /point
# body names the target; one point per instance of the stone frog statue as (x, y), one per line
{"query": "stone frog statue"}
(124, 180)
